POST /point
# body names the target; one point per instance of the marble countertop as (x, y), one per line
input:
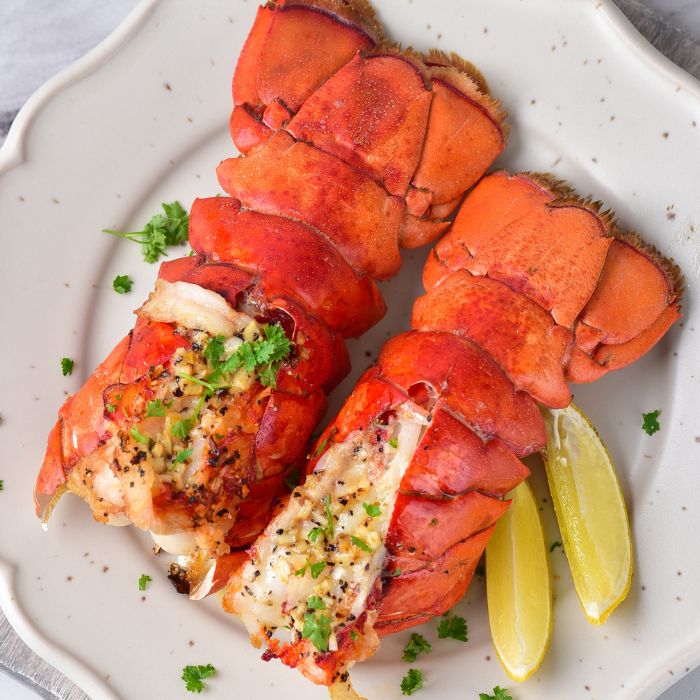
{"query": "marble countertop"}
(40, 37)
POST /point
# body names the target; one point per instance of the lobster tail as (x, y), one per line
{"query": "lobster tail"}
(521, 294)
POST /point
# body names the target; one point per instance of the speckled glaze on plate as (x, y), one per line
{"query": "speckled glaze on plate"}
(143, 119)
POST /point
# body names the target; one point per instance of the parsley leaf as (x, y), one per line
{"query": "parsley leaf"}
(317, 568)
(412, 681)
(67, 366)
(161, 231)
(498, 694)
(182, 456)
(315, 603)
(394, 442)
(194, 675)
(144, 580)
(650, 422)
(214, 351)
(155, 408)
(315, 533)
(181, 428)
(372, 509)
(139, 436)
(122, 284)
(300, 572)
(111, 408)
(329, 517)
(317, 629)
(321, 447)
(415, 646)
(2, 485)
(554, 545)
(361, 544)
(452, 627)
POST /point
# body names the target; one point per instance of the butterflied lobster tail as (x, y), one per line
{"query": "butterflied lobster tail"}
(531, 284)
(196, 420)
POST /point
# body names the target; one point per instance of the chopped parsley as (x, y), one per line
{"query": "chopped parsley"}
(417, 645)
(361, 544)
(412, 681)
(315, 603)
(315, 533)
(555, 545)
(2, 485)
(122, 284)
(300, 572)
(67, 366)
(353, 635)
(111, 408)
(155, 408)
(650, 422)
(181, 428)
(394, 442)
(194, 675)
(372, 509)
(144, 580)
(182, 456)
(317, 629)
(321, 447)
(139, 436)
(452, 627)
(262, 356)
(317, 568)
(161, 231)
(498, 694)
(329, 517)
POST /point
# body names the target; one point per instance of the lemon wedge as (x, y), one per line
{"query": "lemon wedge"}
(518, 588)
(591, 512)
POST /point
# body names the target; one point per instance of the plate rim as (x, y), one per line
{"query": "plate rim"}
(13, 154)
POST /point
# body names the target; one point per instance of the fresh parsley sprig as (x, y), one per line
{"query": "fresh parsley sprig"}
(412, 681)
(498, 694)
(417, 644)
(194, 675)
(67, 366)
(452, 627)
(650, 422)
(161, 231)
(317, 629)
(122, 284)
(144, 580)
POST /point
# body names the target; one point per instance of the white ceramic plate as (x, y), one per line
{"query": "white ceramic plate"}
(142, 119)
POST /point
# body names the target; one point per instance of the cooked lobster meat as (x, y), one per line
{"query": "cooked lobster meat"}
(194, 422)
(532, 286)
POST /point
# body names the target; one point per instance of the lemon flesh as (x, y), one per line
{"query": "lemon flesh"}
(590, 510)
(518, 588)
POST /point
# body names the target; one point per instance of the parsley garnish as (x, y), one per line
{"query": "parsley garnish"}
(67, 366)
(412, 681)
(144, 580)
(453, 627)
(394, 442)
(554, 545)
(317, 568)
(353, 635)
(139, 436)
(321, 447)
(361, 544)
(498, 694)
(181, 428)
(315, 603)
(122, 284)
(372, 509)
(317, 629)
(329, 517)
(300, 572)
(415, 646)
(650, 422)
(182, 456)
(194, 675)
(155, 408)
(159, 232)
(315, 533)
(111, 408)
(263, 356)
(2, 485)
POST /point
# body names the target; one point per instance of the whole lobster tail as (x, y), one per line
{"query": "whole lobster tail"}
(398, 137)
(520, 293)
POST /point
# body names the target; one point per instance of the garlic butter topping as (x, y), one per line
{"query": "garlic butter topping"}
(315, 566)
